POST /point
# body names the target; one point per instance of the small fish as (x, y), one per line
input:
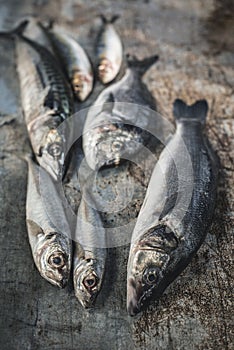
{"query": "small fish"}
(110, 131)
(89, 235)
(75, 61)
(109, 51)
(177, 210)
(46, 100)
(51, 248)
(89, 256)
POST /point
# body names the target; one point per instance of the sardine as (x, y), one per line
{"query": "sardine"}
(89, 255)
(109, 51)
(110, 131)
(51, 247)
(89, 235)
(74, 59)
(177, 210)
(46, 101)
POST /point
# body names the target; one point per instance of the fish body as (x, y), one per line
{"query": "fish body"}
(168, 232)
(89, 257)
(110, 131)
(75, 61)
(46, 101)
(109, 51)
(89, 239)
(51, 247)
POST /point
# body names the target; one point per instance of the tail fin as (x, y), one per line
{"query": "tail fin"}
(196, 111)
(106, 20)
(141, 66)
(48, 25)
(17, 30)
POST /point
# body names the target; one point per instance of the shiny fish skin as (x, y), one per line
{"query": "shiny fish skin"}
(51, 249)
(163, 243)
(75, 61)
(89, 256)
(88, 259)
(109, 51)
(46, 101)
(107, 138)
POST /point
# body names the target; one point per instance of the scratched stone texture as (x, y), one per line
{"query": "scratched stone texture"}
(195, 41)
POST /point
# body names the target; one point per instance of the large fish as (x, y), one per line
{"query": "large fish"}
(46, 100)
(109, 51)
(48, 230)
(177, 209)
(74, 59)
(110, 131)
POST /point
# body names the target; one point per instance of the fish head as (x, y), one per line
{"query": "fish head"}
(82, 84)
(52, 155)
(107, 145)
(149, 265)
(87, 281)
(52, 257)
(145, 272)
(106, 71)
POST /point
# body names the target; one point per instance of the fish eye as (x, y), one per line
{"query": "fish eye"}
(117, 146)
(90, 282)
(150, 275)
(56, 260)
(55, 149)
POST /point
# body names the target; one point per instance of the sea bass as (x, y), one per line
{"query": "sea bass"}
(48, 234)
(110, 131)
(177, 209)
(74, 59)
(46, 100)
(109, 51)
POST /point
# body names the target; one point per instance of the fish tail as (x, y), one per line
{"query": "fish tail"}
(48, 25)
(111, 20)
(18, 30)
(196, 111)
(141, 66)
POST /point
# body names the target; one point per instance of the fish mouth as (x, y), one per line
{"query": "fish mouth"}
(87, 286)
(132, 299)
(105, 71)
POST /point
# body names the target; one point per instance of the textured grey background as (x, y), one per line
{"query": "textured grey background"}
(195, 41)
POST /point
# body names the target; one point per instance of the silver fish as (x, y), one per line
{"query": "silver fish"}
(46, 101)
(110, 132)
(89, 255)
(109, 51)
(74, 59)
(89, 239)
(51, 248)
(172, 224)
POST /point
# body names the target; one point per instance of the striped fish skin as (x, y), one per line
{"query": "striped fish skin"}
(163, 243)
(109, 51)
(51, 249)
(74, 59)
(113, 139)
(46, 101)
